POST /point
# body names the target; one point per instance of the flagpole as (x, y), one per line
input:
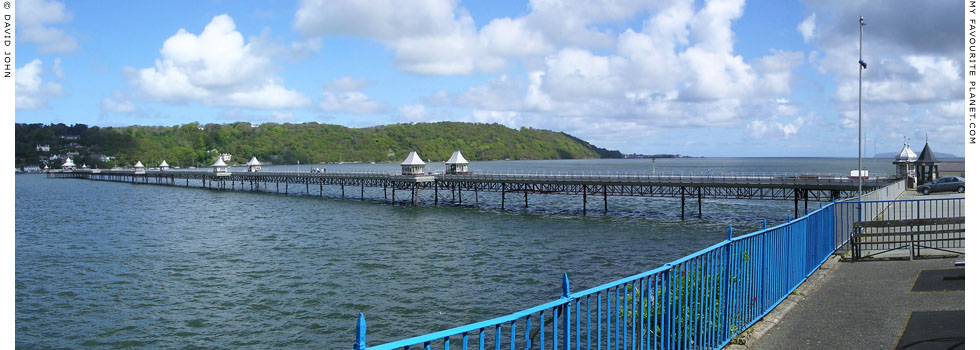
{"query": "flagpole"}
(861, 68)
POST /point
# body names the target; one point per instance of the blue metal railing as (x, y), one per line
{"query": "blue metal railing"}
(700, 301)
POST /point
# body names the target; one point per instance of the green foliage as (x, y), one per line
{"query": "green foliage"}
(191, 144)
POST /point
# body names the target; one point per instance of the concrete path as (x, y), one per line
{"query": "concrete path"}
(863, 305)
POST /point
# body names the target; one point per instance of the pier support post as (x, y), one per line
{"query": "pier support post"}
(287, 187)
(796, 202)
(806, 202)
(584, 206)
(503, 191)
(452, 190)
(392, 194)
(699, 202)
(605, 200)
(321, 190)
(307, 187)
(460, 196)
(525, 197)
(362, 190)
(435, 184)
(343, 195)
(682, 202)
(386, 191)
(415, 194)
(476, 195)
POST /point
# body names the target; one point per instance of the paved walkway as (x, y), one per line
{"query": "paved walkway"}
(863, 305)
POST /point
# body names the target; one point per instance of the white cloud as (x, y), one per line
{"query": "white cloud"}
(216, 68)
(347, 84)
(112, 105)
(413, 113)
(341, 96)
(773, 129)
(34, 20)
(807, 27)
(915, 72)
(31, 90)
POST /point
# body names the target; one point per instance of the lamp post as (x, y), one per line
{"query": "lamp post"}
(861, 67)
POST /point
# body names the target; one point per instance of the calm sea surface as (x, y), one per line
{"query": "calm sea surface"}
(115, 265)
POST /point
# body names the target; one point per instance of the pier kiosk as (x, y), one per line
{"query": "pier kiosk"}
(69, 165)
(905, 165)
(457, 164)
(413, 165)
(220, 168)
(164, 166)
(926, 169)
(139, 168)
(254, 165)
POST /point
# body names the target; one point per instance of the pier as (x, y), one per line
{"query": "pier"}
(449, 188)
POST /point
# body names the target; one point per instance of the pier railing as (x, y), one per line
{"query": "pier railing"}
(700, 301)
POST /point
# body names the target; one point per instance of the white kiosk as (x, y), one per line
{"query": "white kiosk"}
(413, 165)
(457, 164)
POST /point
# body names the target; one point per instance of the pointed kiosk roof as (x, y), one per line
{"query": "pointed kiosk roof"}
(139, 164)
(906, 155)
(413, 159)
(926, 156)
(219, 163)
(254, 161)
(69, 162)
(164, 164)
(457, 158)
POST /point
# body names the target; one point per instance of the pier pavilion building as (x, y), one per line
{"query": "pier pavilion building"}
(139, 168)
(69, 165)
(164, 166)
(905, 165)
(413, 165)
(457, 164)
(926, 167)
(220, 168)
(254, 165)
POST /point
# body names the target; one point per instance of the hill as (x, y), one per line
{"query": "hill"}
(199, 145)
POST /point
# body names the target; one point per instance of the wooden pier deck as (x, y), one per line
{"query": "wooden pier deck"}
(799, 188)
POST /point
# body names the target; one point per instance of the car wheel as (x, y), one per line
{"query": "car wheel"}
(925, 191)
(961, 189)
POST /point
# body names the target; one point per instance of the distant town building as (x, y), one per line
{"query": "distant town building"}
(945, 169)
(68, 165)
(220, 168)
(69, 137)
(44, 148)
(225, 157)
(254, 165)
(164, 166)
(139, 168)
(457, 164)
(413, 165)
(54, 157)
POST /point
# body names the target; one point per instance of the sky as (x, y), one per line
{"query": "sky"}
(702, 78)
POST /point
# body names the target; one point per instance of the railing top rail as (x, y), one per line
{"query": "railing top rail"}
(470, 327)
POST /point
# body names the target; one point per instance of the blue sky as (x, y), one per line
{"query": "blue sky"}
(704, 78)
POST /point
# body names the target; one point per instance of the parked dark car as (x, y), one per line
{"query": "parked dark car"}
(946, 183)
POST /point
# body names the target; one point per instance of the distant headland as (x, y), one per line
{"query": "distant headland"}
(197, 144)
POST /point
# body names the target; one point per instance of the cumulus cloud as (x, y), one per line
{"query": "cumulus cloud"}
(34, 25)
(32, 92)
(680, 70)
(914, 71)
(807, 27)
(340, 96)
(438, 37)
(216, 68)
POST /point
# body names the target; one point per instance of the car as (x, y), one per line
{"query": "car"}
(946, 183)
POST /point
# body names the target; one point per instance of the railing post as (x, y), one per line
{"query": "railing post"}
(361, 331)
(568, 312)
(763, 224)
